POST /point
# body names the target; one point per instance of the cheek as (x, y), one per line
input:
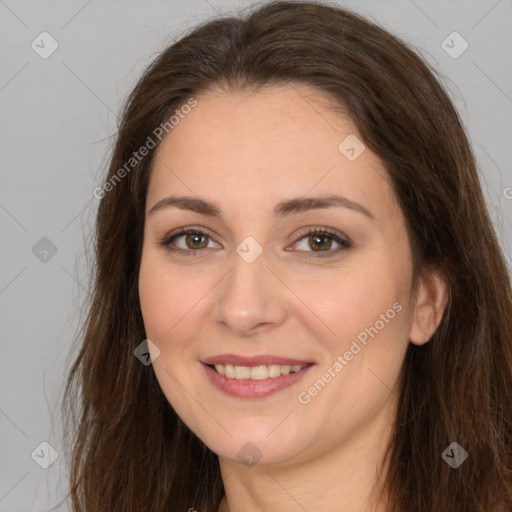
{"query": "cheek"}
(363, 348)
(157, 304)
(167, 306)
(346, 302)
(364, 309)
(167, 296)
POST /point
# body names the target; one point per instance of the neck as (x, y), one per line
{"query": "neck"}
(345, 478)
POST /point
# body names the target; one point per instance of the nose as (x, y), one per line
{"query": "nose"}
(250, 298)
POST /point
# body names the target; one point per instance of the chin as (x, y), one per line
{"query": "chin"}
(251, 444)
(256, 453)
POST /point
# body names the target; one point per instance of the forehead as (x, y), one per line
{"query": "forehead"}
(278, 142)
(283, 120)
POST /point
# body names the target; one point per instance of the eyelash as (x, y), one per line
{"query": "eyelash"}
(344, 243)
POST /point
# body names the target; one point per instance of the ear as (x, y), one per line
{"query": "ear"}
(429, 306)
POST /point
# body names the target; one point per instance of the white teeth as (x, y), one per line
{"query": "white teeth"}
(256, 372)
(242, 372)
(228, 370)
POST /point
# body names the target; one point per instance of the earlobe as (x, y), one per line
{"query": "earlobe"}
(429, 307)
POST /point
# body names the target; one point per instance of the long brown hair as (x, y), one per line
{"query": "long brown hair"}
(129, 450)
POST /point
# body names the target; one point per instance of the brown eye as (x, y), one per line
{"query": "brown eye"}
(321, 242)
(186, 241)
(318, 242)
(193, 240)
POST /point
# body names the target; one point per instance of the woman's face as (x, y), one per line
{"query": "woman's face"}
(249, 287)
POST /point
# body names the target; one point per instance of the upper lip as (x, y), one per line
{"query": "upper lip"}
(237, 360)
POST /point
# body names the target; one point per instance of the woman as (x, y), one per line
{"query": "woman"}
(292, 231)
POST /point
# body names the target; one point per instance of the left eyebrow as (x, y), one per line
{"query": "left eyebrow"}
(301, 204)
(282, 209)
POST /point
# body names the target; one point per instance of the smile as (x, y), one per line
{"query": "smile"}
(254, 381)
(256, 372)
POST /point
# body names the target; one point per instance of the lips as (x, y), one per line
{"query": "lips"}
(237, 360)
(254, 389)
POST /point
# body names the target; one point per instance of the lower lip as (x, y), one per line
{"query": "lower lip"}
(246, 388)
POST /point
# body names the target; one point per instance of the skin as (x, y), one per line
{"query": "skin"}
(247, 151)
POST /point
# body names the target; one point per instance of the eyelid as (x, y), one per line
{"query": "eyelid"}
(334, 233)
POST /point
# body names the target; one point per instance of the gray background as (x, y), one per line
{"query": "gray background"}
(58, 126)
